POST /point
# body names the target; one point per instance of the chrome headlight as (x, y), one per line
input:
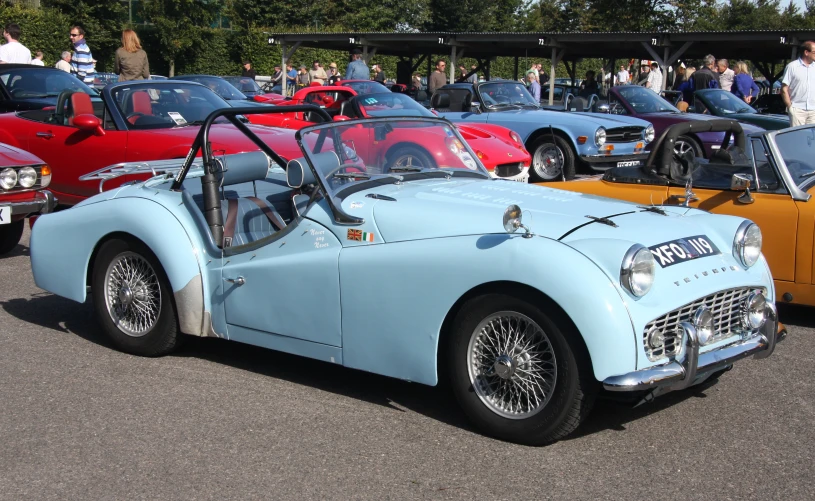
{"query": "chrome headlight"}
(747, 244)
(28, 177)
(754, 311)
(637, 270)
(649, 134)
(600, 136)
(8, 178)
(703, 321)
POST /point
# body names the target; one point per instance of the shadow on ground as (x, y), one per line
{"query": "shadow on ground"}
(64, 316)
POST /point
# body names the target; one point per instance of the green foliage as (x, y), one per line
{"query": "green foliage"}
(179, 25)
(43, 29)
(102, 21)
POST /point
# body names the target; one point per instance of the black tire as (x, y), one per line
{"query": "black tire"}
(10, 235)
(693, 143)
(404, 156)
(160, 336)
(543, 147)
(570, 401)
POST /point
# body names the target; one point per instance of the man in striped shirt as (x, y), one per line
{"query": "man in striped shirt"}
(82, 59)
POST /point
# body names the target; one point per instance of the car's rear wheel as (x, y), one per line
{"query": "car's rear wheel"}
(133, 299)
(514, 372)
(409, 156)
(10, 235)
(552, 159)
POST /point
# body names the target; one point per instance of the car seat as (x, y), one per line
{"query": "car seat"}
(682, 106)
(347, 109)
(140, 103)
(440, 102)
(80, 104)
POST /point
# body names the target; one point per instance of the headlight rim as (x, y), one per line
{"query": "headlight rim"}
(649, 134)
(746, 307)
(29, 171)
(3, 173)
(626, 270)
(739, 243)
(597, 133)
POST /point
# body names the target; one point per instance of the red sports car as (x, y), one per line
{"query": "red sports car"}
(499, 149)
(23, 178)
(141, 120)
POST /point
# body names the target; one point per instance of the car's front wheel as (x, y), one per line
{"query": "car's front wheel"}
(514, 372)
(552, 159)
(133, 299)
(10, 235)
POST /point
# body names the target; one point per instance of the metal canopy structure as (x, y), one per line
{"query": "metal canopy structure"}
(765, 48)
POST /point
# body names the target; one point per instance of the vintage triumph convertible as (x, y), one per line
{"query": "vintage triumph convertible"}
(528, 300)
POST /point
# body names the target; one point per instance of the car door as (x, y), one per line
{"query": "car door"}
(773, 210)
(71, 153)
(289, 287)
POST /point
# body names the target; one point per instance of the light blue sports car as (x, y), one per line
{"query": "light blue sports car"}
(557, 141)
(529, 301)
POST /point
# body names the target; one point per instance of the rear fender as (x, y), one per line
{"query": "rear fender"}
(63, 244)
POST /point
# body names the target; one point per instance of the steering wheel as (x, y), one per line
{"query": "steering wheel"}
(615, 109)
(134, 117)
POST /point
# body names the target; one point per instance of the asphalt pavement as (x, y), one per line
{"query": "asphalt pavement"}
(220, 420)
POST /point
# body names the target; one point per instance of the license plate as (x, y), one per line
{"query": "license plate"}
(632, 163)
(683, 249)
(5, 214)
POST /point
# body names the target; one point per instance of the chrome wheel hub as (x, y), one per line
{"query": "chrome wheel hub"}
(548, 161)
(512, 365)
(408, 160)
(132, 294)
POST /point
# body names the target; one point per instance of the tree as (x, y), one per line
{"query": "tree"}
(102, 21)
(179, 25)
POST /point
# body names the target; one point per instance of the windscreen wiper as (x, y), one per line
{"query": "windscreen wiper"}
(807, 175)
(407, 169)
(351, 175)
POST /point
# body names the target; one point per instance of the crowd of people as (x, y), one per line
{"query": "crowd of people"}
(130, 62)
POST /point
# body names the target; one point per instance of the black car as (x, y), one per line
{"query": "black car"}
(246, 85)
(770, 104)
(25, 87)
(220, 86)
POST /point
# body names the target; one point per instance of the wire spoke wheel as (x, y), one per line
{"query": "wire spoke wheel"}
(548, 161)
(132, 294)
(408, 160)
(512, 365)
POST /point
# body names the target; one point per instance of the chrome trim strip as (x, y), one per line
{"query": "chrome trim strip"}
(681, 373)
(43, 202)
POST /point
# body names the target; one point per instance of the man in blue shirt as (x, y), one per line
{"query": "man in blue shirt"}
(357, 69)
(533, 86)
(82, 59)
(798, 86)
(291, 79)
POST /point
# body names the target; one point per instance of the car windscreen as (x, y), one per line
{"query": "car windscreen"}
(386, 151)
(506, 94)
(34, 83)
(219, 86)
(245, 85)
(165, 105)
(797, 147)
(391, 105)
(726, 103)
(645, 100)
(367, 87)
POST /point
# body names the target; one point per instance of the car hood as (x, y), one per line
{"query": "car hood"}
(445, 208)
(12, 157)
(572, 118)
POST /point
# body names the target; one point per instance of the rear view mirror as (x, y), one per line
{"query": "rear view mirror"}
(89, 123)
(741, 182)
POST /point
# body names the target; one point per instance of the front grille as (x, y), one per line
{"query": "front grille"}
(509, 170)
(624, 134)
(725, 306)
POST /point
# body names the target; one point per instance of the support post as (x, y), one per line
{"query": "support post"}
(287, 54)
(664, 67)
(487, 69)
(556, 57)
(285, 83)
(415, 67)
(516, 68)
(429, 67)
(453, 54)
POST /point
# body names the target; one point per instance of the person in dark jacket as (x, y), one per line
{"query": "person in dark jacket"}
(706, 77)
(248, 71)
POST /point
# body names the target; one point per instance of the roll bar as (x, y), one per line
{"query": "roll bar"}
(209, 181)
(662, 153)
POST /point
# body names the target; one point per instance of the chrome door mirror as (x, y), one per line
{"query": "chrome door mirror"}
(475, 107)
(742, 182)
(603, 108)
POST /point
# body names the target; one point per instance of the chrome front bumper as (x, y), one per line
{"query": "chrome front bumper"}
(694, 367)
(604, 161)
(522, 177)
(42, 202)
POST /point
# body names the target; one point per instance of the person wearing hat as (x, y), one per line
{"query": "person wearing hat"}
(277, 80)
(357, 69)
(333, 74)
(248, 71)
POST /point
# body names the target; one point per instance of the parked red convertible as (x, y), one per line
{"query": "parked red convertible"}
(499, 149)
(143, 120)
(23, 178)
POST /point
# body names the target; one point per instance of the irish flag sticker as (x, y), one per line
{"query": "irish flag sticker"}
(360, 236)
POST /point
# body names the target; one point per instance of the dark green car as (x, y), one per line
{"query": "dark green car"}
(722, 103)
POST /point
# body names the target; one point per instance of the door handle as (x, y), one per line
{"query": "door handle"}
(45, 135)
(237, 281)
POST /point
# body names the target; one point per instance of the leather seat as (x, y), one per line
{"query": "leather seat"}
(80, 104)
(139, 103)
(346, 109)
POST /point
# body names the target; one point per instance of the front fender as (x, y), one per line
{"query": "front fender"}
(393, 314)
(62, 244)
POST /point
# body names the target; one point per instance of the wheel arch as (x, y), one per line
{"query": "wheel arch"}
(407, 144)
(523, 292)
(546, 131)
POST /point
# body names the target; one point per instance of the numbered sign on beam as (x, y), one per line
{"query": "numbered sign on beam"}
(654, 41)
(783, 40)
(271, 40)
(441, 40)
(541, 41)
(352, 40)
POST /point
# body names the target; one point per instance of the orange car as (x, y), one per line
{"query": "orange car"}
(768, 177)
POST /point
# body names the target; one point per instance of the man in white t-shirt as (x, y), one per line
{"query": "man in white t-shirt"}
(37, 61)
(654, 79)
(13, 51)
(622, 76)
